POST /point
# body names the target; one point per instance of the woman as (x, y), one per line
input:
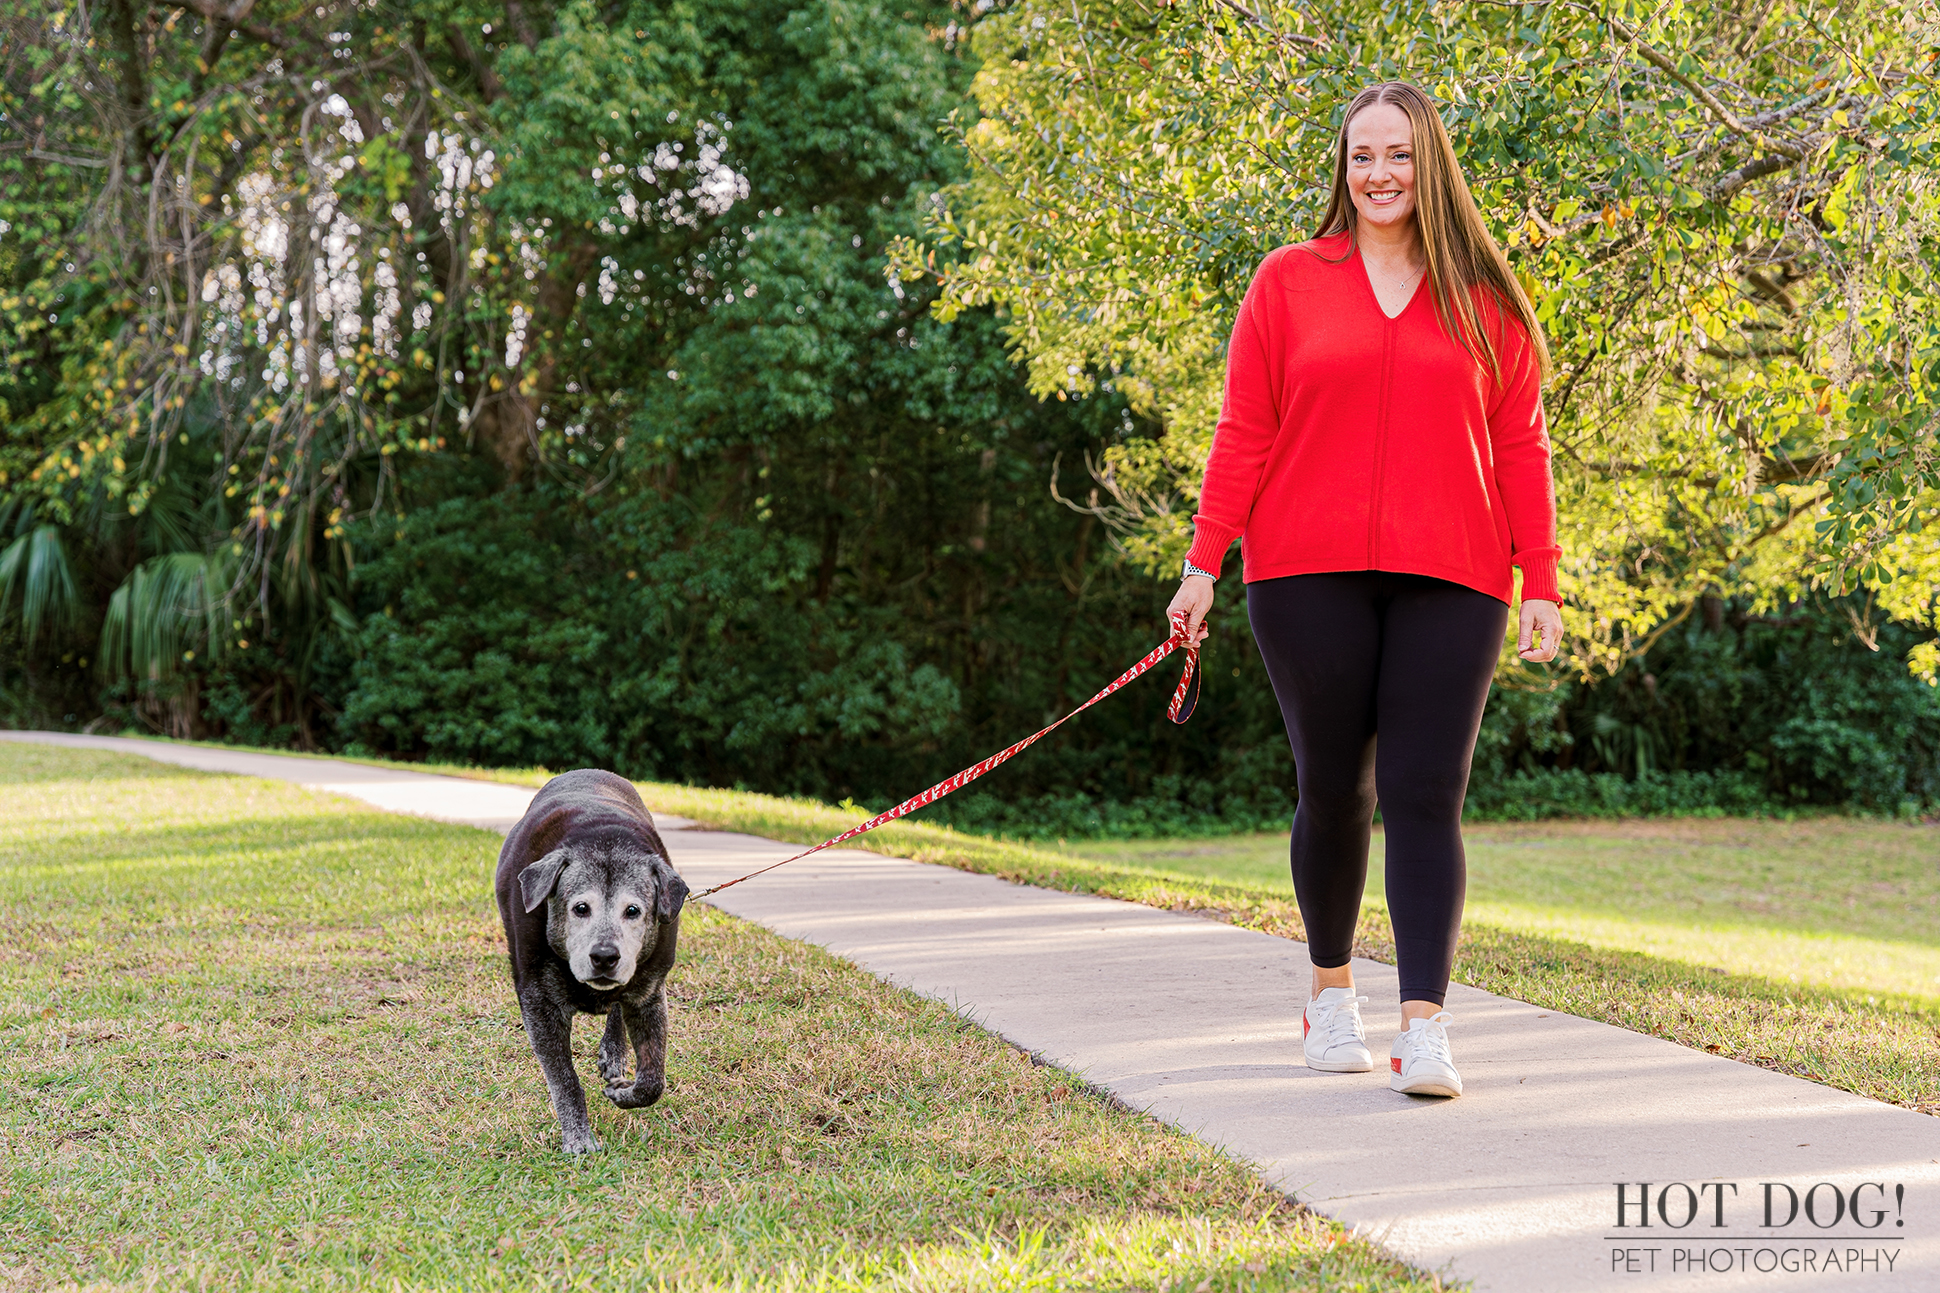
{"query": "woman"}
(1382, 454)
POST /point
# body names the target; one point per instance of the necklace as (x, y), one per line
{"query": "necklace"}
(1404, 282)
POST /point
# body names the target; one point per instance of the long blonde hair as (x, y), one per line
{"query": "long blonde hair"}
(1461, 253)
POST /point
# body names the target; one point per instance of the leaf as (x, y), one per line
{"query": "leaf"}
(37, 565)
(166, 607)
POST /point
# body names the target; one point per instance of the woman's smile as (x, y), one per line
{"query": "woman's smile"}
(1381, 165)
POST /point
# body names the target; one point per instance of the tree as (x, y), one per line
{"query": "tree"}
(258, 254)
(1727, 215)
(544, 397)
(827, 560)
(236, 241)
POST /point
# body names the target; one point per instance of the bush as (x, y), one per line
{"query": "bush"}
(1534, 796)
(1076, 815)
(1795, 708)
(523, 627)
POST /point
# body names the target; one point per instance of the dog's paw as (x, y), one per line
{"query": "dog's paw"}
(634, 1095)
(614, 1073)
(582, 1142)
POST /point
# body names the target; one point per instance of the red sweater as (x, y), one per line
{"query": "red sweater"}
(1352, 441)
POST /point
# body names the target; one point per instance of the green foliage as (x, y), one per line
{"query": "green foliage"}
(186, 386)
(1727, 215)
(35, 565)
(534, 241)
(166, 602)
(1572, 792)
(758, 626)
(488, 658)
(1730, 712)
(821, 552)
(616, 445)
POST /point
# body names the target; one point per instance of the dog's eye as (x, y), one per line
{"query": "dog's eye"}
(633, 913)
(582, 909)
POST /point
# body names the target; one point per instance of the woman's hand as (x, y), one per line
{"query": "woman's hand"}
(1195, 598)
(1541, 633)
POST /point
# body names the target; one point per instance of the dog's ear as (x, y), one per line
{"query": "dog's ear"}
(670, 891)
(537, 880)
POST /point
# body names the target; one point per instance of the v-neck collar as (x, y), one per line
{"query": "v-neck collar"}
(1367, 282)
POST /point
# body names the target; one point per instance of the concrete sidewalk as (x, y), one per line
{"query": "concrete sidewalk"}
(1513, 1187)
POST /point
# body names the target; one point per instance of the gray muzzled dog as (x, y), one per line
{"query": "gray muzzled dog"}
(592, 914)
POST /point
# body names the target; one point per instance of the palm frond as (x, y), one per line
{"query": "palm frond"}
(172, 520)
(169, 606)
(16, 515)
(36, 565)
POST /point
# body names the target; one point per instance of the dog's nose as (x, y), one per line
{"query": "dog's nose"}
(604, 957)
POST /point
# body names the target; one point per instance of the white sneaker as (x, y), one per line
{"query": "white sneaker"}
(1420, 1058)
(1331, 1034)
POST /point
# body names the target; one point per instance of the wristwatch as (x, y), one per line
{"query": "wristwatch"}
(1194, 570)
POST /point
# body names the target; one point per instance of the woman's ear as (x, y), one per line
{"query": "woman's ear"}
(537, 881)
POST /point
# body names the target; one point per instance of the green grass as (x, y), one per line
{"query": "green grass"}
(1830, 902)
(251, 1037)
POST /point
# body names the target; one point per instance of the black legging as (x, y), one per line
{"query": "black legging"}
(1409, 657)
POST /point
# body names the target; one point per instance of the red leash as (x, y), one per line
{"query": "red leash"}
(1178, 711)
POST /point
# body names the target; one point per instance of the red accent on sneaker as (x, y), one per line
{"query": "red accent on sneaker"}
(1395, 1062)
(1306, 1027)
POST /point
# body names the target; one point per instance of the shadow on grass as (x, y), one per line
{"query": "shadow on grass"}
(30, 764)
(113, 842)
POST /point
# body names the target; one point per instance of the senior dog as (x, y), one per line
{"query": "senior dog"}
(592, 913)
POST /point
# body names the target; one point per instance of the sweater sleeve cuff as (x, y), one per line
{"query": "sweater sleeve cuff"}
(1539, 574)
(1209, 543)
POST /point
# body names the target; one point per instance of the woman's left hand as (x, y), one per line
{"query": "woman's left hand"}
(1541, 633)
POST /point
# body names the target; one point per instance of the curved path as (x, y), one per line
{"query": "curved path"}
(1514, 1187)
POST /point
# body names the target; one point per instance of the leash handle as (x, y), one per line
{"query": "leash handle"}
(1178, 711)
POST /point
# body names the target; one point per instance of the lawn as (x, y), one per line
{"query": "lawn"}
(253, 1037)
(1832, 902)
